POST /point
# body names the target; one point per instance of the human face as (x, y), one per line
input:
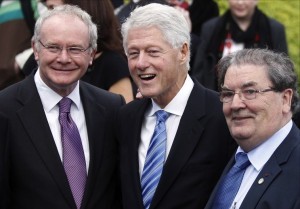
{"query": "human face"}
(158, 69)
(251, 122)
(242, 9)
(60, 71)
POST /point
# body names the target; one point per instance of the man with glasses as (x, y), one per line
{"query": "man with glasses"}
(258, 89)
(58, 147)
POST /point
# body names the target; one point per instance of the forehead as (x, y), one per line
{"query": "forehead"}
(64, 27)
(239, 76)
(146, 36)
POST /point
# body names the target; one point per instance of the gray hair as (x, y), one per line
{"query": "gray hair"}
(167, 19)
(279, 67)
(71, 10)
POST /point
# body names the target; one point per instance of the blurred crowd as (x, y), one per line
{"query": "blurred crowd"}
(213, 36)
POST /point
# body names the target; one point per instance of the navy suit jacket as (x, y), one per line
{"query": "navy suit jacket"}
(201, 149)
(32, 174)
(281, 174)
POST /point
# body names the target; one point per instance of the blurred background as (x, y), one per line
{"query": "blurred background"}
(288, 13)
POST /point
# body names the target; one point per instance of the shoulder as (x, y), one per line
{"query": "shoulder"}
(208, 95)
(211, 22)
(275, 24)
(99, 95)
(136, 105)
(22, 90)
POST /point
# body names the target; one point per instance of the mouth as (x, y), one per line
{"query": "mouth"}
(63, 69)
(147, 77)
(240, 118)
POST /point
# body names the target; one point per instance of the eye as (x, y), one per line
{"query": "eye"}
(53, 48)
(75, 50)
(249, 91)
(133, 54)
(227, 94)
(154, 53)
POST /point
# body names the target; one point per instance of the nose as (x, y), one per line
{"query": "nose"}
(63, 56)
(237, 102)
(142, 62)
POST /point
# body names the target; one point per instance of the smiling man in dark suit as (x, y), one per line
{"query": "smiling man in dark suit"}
(193, 143)
(259, 95)
(59, 129)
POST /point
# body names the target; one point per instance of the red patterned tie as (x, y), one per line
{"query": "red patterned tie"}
(73, 155)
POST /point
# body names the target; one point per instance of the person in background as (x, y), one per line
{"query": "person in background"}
(242, 26)
(110, 69)
(258, 88)
(17, 20)
(59, 146)
(194, 142)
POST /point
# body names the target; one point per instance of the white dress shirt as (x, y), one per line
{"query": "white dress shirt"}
(50, 101)
(176, 108)
(258, 158)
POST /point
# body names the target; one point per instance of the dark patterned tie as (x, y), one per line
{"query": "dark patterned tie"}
(231, 183)
(155, 159)
(73, 155)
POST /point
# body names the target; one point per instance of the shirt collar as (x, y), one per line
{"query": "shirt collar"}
(50, 98)
(178, 103)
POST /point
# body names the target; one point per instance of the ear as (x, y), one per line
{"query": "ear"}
(184, 53)
(35, 50)
(287, 100)
(92, 56)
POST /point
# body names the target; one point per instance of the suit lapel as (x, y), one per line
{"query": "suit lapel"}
(33, 118)
(95, 122)
(185, 141)
(271, 170)
(261, 183)
(135, 138)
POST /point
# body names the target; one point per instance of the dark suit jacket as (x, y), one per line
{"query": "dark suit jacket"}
(33, 176)
(281, 174)
(201, 149)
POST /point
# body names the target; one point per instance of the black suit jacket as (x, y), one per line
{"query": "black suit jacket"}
(281, 174)
(201, 148)
(33, 176)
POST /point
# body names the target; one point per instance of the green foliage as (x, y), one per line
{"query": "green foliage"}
(288, 13)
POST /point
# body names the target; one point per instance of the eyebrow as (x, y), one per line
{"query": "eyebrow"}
(245, 85)
(249, 84)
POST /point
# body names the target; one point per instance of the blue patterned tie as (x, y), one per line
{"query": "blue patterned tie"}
(73, 155)
(155, 158)
(231, 183)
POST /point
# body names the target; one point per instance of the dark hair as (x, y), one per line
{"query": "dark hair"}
(102, 13)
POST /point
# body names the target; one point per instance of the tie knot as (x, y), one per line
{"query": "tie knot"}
(242, 160)
(65, 105)
(161, 115)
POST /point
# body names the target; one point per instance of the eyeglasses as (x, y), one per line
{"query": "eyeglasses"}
(245, 94)
(72, 51)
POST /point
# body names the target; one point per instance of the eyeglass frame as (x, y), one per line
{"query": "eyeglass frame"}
(60, 49)
(243, 92)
